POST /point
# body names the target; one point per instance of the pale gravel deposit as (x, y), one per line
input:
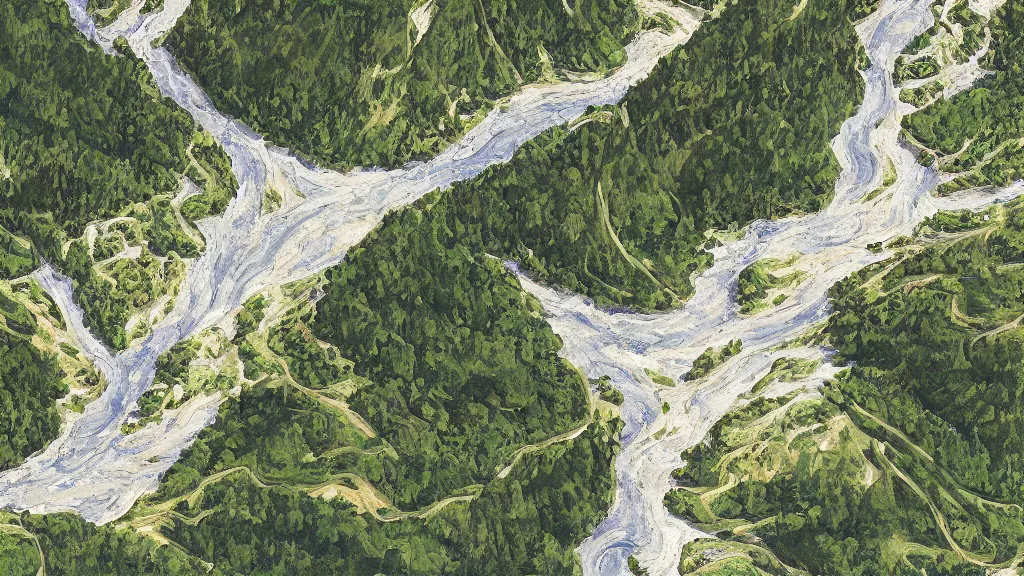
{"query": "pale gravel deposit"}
(421, 17)
(95, 470)
(955, 77)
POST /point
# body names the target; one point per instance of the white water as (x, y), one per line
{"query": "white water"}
(96, 471)
(831, 244)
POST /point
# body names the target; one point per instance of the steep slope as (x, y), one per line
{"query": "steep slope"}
(463, 367)
(523, 524)
(30, 384)
(84, 134)
(353, 82)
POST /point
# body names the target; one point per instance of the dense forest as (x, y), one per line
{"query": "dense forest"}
(912, 458)
(438, 349)
(458, 463)
(463, 367)
(352, 82)
(950, 379)
(978, 135)
(82, 134)
(735, 125)
(30, 384)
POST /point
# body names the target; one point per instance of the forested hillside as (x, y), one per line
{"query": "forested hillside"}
(911, 459)
(406, 412)
(439, 351)
(454, 371)
(43, 375)
(735, 125)
(463, 367)
(527, 523)
(82, 134)
(85, 136)
(977, 136)
(417, 420)
(355, 82)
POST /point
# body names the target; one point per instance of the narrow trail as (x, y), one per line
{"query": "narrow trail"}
(365, 496)
(960, 317)
(531, 448)
(95, 470)
(570, 434)
(1011, 325)
(632, 260)
(894, 431)
(940, 489)
(351, 415)
(906, 286)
